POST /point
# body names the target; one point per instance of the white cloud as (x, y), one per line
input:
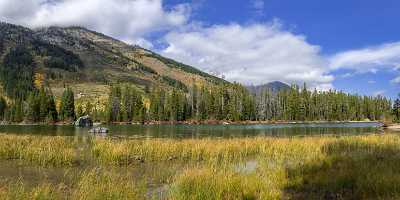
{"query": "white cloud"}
(128, 20)
(251, 54)
(379, 93)
(347, 75)
(396, 80)
(371, 59)
(371, 82)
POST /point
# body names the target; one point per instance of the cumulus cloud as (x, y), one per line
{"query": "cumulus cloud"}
(347, 75)
(251, 54)
(369, 59)
(396, 80)
(379, 93)
(254, 54)
(128, 20)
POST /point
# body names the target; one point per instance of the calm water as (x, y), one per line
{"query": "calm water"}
(200, 131)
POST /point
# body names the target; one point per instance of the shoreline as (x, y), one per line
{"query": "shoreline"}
(208, 122)
(394, 126)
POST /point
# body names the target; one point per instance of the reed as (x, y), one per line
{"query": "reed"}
(43, 151)
(125, 152)
(91, 184)
(328, 167)
(211, 183)
(20, 191)
(107, 184)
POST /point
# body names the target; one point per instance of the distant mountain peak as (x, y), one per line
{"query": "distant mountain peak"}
(274, 86)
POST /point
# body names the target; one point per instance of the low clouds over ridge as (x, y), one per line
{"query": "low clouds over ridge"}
(128, 20)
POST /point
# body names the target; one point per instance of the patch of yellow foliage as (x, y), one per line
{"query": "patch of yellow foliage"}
(38, 80)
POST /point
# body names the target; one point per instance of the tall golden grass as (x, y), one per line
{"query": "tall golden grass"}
(326, 167)
(103, 184)
(91, 184)
(41, 150)
(210, 150)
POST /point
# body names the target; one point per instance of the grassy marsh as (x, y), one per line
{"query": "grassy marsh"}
(328, 167)
(89, 184)
(43, 151)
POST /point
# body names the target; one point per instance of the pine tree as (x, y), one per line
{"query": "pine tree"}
(33, 108)
(43, 102)
(114, 113)
(19, 113)
(3, 108)
(52, 111)
(396, 109)
(67, 105)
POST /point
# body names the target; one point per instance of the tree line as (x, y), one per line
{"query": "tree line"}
(228, 102)
(38, 107)
(300, 104)
(231, 102)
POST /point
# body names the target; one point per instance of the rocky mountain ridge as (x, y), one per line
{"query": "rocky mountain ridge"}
(89, 62)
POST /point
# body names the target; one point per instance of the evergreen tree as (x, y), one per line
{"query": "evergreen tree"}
(33, 108)
(52, 115)
(114, 104)
(16, 73)
(396, 109)
(3, 108)
(67, 105)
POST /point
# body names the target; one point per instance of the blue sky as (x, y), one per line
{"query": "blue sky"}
(350, 45)
(333, 25)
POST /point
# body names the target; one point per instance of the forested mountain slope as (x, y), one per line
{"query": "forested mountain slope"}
(87, 61)
(56, 74)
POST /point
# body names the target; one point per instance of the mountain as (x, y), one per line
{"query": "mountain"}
(274, 86)
(86, 61)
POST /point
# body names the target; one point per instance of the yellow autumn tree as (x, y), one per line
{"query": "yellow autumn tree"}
(38, 80)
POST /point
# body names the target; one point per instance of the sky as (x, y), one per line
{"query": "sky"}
(349, 45)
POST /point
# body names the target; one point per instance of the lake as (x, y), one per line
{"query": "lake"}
(202, 131)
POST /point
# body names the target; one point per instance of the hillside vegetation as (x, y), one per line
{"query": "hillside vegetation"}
(56, 57)
(57, 74)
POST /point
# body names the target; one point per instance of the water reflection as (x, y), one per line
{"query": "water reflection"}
(200, 131)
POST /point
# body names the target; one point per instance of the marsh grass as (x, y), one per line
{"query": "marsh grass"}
(214, 183)
(107, 184)
(328, 167)
(352, 168)
(19, 191)
(209, 150)
(91, 184)
(40, 150)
